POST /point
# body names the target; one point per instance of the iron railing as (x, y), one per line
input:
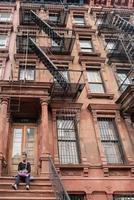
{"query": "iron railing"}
(58, 187)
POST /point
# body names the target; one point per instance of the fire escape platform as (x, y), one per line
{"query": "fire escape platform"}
(72, 93)
(126, 100)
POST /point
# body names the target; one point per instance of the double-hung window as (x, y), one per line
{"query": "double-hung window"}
(110, 140)
(67, 141)
(3, 41)
(27, 73)
(111, 46)
(53, 17)
(5, 17)
(95, 81)
(123, 79)
(79, 20)
(86, 45)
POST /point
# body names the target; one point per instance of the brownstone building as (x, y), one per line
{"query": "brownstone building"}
(67, 98)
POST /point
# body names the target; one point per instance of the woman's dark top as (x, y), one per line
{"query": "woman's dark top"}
(22, 166)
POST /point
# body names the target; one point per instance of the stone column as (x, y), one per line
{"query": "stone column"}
(3, 120)
(44, 138)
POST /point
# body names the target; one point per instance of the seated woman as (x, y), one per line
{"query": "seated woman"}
(24, 169)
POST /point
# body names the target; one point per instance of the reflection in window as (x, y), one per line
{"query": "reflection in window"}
(79, 20)
(3, 41)
(95, 81)
(30, 141)
(27, 73)
(5, 17)
(17, 141)
(123, 79)
(86, 45)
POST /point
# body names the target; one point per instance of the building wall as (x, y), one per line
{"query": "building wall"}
(93, 176)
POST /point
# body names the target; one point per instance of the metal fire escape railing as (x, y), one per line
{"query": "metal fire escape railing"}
(47, 29)
(58, 187)
(125, 31)
(49, 65)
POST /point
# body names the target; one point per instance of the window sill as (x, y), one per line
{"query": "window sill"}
(100, 95)
(89, 53)
(82, 26)
(4, 50)
(118, 170)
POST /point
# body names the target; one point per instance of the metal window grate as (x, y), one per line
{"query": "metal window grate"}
(110, 140)
(67, 141)
(124, 197)
(77, 196)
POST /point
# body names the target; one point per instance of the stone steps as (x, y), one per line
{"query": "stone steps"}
(26, 193)
(40, 188)
(34, 186)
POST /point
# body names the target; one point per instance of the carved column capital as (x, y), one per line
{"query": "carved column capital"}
(44, 101)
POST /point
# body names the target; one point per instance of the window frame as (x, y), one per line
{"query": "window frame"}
(117, 77)
(25, 75)
(96, 83)
(79, 16)
(76, 141)
(9, 18)
(77, 196)
(6, 41)
(86, 50)
(117, 140)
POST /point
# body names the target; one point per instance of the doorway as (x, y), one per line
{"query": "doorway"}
(24, 139)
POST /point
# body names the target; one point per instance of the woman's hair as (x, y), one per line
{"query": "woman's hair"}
(24, 153)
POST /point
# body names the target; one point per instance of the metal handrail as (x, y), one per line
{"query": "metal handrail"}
(60, 192)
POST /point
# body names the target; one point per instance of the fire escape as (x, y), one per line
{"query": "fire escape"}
(61, 87)
(123, 48)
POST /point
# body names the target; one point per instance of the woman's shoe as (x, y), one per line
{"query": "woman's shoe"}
(27, 187)
(14, 186)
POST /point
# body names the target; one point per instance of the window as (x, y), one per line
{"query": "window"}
(123, 80)
(124, 197)
(110, 141)
(64, 71)
(111, 46)
(3, 41)
(79, 20)
(23, 44)
(67, 141)
(54, 44)
(27, 73)
(53, 17)
(95, 81)
(77, 196)
(86, 45)
(5, 17)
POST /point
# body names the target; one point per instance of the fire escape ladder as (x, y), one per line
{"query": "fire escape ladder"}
(47, 29)
(49, 65)
(121, 24)
(128, 46)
